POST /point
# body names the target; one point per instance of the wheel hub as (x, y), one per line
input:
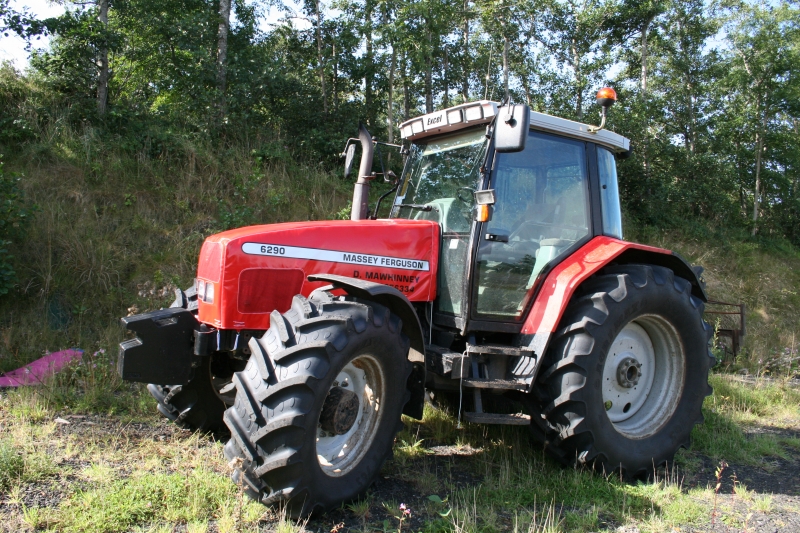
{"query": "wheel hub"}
(350, 415)
(629, 371)
(339, 412)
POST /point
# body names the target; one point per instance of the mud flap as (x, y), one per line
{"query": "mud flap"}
(163, 350)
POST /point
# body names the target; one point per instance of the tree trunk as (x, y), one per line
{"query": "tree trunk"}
(102, 75)
(526, 84)
(794, 179)
(429, 71)
(692, 126)
(222, 51)
(466, 63)
(645, 28)
(390, 106)
(320, 65)
(368, 67)
(446, 94)
(646, 143)
(759, 149)
(335, 78)
(576, 67)
(505, 66)
(406, 96)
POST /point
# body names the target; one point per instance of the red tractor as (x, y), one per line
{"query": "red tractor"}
(501, 272)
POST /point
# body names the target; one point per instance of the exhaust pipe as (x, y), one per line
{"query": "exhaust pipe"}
(360, 208)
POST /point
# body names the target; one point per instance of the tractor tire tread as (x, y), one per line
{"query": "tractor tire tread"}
(271, 418)
(567, 435)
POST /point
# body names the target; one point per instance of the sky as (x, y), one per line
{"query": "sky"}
(12, 48)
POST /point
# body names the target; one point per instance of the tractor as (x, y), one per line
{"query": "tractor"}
(500, 279)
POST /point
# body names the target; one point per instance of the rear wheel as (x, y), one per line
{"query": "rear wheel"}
(625, 377)
(319, 403)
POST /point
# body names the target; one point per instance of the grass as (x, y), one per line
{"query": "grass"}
(122, 472)
(117, 229)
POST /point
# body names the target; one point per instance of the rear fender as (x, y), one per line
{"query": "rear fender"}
(564, 279)
(400, 306)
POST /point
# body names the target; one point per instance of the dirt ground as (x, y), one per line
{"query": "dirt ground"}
(776, 478)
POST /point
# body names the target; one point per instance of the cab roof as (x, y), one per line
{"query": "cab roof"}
(484, 111)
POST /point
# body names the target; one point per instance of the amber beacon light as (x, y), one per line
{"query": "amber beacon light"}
(605, 99)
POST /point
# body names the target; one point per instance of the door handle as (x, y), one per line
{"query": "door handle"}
(496, 238)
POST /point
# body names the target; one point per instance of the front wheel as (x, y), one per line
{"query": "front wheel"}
(627, 372)
(319, 403)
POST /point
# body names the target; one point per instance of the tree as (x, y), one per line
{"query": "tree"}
(763, 55)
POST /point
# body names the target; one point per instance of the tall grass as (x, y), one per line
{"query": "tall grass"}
(118, 229)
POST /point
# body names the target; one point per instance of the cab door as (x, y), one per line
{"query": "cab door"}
(542, 212)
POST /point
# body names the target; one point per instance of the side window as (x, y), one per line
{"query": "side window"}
(541, 211)
(609, 193)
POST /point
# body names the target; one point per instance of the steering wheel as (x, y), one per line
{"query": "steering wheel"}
(525, 228)
(525, 231)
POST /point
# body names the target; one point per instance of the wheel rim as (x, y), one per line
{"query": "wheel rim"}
(643, 376)
(338, 454)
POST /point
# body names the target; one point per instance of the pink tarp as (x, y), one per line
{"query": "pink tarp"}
(36, 372)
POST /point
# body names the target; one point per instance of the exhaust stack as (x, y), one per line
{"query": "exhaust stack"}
(360, 209)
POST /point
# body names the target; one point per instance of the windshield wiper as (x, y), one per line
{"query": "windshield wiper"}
(421, 207)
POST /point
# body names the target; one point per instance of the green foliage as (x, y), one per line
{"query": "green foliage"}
(13, 218)
(696, 106)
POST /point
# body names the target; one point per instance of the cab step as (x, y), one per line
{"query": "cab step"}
(499, 349)
(494, 418)
(502, 384)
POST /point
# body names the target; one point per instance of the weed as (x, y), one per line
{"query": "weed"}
(360, 509)
(536, 523)
(34, 517)
(197, 527)
(12, 465)
(407, 450)
(762, 503)
(718, 474)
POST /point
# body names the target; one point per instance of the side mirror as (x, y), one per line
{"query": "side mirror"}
(511, 128)
(349, 155)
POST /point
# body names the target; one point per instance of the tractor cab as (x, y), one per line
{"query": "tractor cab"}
(550, 194)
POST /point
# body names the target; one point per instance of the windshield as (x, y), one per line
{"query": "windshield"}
(439, 181)
(442, 176)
